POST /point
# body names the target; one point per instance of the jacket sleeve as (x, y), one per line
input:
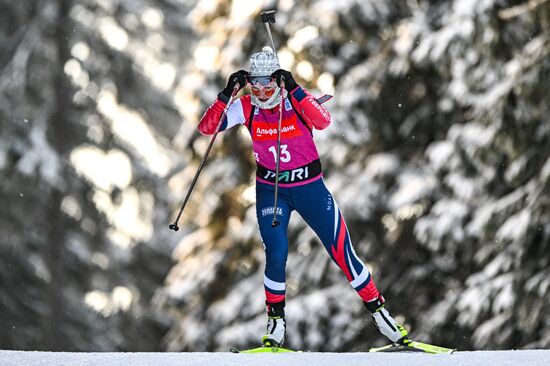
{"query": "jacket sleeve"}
(315, 115)
(235, 115)
(210, 118)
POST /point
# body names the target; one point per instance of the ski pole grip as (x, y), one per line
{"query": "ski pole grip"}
(268, 16)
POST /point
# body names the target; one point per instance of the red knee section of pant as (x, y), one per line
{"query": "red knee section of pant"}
(273, 298)
(369, 292)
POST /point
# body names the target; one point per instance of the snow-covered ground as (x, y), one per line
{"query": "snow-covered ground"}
(479, 358)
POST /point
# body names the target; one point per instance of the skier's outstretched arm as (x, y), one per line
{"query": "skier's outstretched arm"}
(315, 115)
(235, 114)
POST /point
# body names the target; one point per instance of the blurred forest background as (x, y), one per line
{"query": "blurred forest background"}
(438, 155)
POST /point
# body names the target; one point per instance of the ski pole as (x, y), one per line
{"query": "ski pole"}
(275, 222)
(268, 17)
(174, 226)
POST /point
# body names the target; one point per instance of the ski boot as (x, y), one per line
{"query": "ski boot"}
(276, 326)
(385, 323)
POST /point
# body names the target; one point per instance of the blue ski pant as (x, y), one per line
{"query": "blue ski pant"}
(318, 208)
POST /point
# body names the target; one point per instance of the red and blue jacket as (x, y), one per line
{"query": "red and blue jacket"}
(302, 113)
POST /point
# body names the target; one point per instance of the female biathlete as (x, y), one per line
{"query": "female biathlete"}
(301, 187)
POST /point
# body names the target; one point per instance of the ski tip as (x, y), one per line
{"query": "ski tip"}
(396, 348)
(415, 347)
(430, 348)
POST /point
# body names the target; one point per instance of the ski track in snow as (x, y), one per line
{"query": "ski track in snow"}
(478, 358)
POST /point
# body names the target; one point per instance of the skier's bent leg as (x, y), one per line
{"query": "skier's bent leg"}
(323, 215)
(320, 211)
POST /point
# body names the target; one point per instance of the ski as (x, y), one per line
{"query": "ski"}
(263, 349)
(409, 347)
(414, 347)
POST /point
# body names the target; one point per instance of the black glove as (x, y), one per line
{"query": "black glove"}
(238, 77)
(290, 83)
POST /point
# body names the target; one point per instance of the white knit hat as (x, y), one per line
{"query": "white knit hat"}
(264, 63)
